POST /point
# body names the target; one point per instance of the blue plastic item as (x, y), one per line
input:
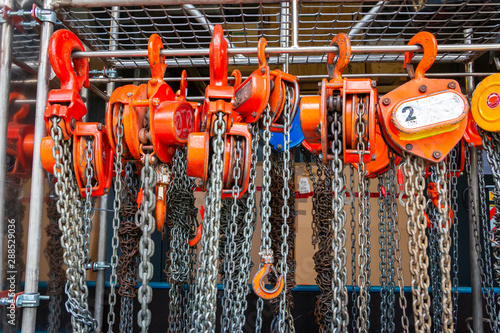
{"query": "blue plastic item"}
(296, 135)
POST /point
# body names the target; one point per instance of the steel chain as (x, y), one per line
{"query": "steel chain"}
(144, 218)
(89, 174)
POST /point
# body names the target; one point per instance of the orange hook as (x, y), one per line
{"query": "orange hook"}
(23, 110)
(261, 52)
(197, 237)
(237, 77)
(344, 44)
(72, 73)
(184, 83)
(430, 46)
(218, 58)
(156, 62)
(258, 280)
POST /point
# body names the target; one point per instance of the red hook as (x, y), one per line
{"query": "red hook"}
(23, 110)
(344, 44)
(237, 77)
(261, 52)
(430, 46)
(218, 58)
(183, 87)
(156, 62)
(72, 73)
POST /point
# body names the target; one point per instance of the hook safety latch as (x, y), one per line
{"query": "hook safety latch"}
(258, 280)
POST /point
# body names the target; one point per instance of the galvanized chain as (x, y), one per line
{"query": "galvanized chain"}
(265, 245)
(393, 209)
(454, 228)
(72, 239)
(363, 300)
(144, 218)
(338, 282)
(491, 143)
(444, 246)
(382, 227)
(118, 166)
(417, 244)
(89, 174)
(129, 235)
(352, 211)
(206, 294)
(54, 254)
(230, 246)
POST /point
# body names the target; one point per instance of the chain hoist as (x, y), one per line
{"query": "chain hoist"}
(414, 127)
(129, 235)
(54, 254)
(68, 161)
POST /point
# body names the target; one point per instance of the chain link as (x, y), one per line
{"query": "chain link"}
(144, 218)
(89, 175)
(71, 225)
(113, 280)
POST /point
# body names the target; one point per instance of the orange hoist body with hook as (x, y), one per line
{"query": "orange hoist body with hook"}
(220, 97)
(343, 96)
(424, 117)
(67, 104)
(265, 87)
(20, 140)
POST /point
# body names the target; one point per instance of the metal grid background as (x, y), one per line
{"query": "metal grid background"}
(367, 23)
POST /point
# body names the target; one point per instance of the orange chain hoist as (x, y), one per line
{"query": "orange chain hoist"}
(155, 119)
(340, 95)
(409, 122)
(220, 97)
(20, 140)
(67, 104)
(265, 87)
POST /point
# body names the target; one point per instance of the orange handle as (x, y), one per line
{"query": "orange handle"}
(258, 283)
(344, 44)
(430, 46)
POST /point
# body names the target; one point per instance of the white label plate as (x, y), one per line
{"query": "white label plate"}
(430, 110)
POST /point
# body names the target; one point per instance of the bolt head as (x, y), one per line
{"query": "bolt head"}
(386, 101)
(99, 127)
(374, 84)
(73, 124)
(409, 146)
(422, 88)
(452, 85)
(129, 94)
(254, 114)
(279, 147)
(436, 154)
(263, 70)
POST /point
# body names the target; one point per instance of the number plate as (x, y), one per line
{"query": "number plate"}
(243, 94)
(431, 110)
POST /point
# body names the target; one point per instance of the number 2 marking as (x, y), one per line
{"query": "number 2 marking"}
(410, 116)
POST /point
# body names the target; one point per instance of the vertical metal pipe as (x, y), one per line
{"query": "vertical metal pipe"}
(284, 35)
(37, 179)
(295, 23)
(477, 299)
(103, 216)
(5, 67)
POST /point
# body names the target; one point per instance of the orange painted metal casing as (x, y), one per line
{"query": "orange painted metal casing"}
(312, 121)
(471, 134)
(102, 161)
(433, 139)
(198, 155)
(277, 99)
(20, 138)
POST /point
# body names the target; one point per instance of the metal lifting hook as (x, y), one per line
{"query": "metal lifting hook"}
(430, 46)
(156, 63)
(344, 44)
(258, 279)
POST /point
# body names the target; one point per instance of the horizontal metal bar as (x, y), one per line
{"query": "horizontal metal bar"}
(109, 3)
(289, 50)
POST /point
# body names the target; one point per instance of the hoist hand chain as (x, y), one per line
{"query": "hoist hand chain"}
(72, 239)
(113, 280)
(486, 273)
(393, 193)
(89, 174)
(363, 301)
(444, 246)
(206, 294)
(129, 235)
(382, 227)
(352, 212)
(54, 254)
(453, 159)
(144, 218)
(491, 143)
(181, 220)
(415, 208)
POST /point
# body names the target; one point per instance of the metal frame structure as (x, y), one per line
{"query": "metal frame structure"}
(297, 33)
